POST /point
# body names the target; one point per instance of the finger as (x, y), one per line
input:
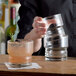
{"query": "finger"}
(38, 24)
(35, 20)
(41, 31)
(41, 25)
(38, 18)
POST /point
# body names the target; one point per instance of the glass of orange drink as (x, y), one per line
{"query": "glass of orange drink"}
(20, 53)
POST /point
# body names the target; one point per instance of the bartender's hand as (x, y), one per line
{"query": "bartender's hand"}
(39, 28)
(38, 32)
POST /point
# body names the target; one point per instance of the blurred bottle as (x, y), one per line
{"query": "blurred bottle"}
(16, 1)
(12, 26)
(13, 1)
(12, 16)
(2, 33)
(2, 12)
(7, 13)
(6, 1)
(2, 40)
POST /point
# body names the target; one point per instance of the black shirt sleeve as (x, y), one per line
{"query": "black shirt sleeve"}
(27, 12)
(31, 8)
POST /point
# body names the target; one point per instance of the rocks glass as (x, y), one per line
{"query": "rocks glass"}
(55, 40)
(20, 53)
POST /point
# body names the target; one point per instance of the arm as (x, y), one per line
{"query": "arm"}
(37, 42)
(27, 15)
(37, 33)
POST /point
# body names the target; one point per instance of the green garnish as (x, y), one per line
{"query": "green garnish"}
(12, 32)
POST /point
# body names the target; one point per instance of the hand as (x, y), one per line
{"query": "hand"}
(38, 32)
(39, 27)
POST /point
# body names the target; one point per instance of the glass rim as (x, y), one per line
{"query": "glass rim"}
(52, 16)
(21, 41)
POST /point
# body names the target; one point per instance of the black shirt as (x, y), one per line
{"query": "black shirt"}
(31, 8)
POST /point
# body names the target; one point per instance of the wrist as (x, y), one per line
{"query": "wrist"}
(31, 36)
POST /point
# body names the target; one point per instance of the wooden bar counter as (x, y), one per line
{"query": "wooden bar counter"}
(49, 68)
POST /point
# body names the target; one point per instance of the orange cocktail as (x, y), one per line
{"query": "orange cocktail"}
(20, 52)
